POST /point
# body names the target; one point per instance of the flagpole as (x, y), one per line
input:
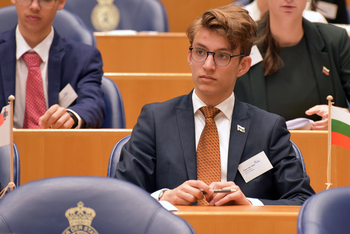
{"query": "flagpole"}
(329, 98)
(11, 184)
(11, 98)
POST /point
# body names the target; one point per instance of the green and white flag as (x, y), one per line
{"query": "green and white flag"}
(340, 127)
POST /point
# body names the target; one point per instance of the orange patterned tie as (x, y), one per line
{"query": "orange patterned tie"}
(35, 99)
(208, 150)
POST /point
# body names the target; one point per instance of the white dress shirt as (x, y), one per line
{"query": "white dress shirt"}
(42, 50)
(223, 124)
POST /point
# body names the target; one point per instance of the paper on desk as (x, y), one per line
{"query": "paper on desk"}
(167, 205)
(116, 32)
(299, 124)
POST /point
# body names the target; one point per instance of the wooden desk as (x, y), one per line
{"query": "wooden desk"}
(138, 89)
(241, 219)
(50, 153)
(182, 12)
(143, 52)
(313, 145)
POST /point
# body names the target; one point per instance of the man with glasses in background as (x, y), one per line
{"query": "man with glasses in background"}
(207, 146)
(41, 68)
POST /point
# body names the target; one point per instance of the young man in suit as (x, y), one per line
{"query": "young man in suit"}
(63, 63)
(256, 161)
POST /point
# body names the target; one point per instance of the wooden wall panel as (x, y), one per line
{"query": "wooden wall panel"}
(144, 52)
(182, 12)
(138, 89)
(5, 3)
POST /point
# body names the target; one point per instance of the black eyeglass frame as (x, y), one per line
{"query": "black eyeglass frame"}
(210, 52)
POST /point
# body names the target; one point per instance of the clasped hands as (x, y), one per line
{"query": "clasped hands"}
(190, 191)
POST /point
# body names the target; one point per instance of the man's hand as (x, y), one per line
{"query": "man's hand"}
(56, 117)
(320, 110)
(187, 193)
(234, 198)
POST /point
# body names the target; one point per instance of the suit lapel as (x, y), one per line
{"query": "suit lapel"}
(8, 65)
(56, 55)
(319, 61)
(238, 138)
(185, 121)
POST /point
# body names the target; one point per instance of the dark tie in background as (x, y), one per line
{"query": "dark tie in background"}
(35, 99)
(208, 150)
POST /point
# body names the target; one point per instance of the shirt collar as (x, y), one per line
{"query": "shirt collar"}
(42, 49)
(226, 107)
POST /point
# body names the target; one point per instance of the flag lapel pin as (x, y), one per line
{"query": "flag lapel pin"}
(325, 70)
(240, 128)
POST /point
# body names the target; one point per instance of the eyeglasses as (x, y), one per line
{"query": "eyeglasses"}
(221, 59)
(48, 4)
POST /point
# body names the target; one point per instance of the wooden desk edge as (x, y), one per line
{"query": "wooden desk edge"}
(239, 210)
(100, 130)
(140, 34)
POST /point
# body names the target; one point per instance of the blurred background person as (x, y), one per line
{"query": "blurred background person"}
(258, 8)
(302, 63)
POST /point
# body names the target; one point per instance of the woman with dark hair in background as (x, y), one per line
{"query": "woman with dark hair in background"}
(302, 63)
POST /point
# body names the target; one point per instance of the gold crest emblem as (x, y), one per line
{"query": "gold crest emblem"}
(105, 16)
(80, 219)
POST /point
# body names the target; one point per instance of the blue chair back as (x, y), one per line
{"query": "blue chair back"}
(115, 155)
(96, 204)
(67, 25)
(326, 212)
(5, 170)
(115, 115)
(138, 15)
(299, 156)
(241, 2)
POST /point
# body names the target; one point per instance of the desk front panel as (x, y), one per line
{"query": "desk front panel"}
(51, 153)
(160, 52)
(241, 219)
(314, 147)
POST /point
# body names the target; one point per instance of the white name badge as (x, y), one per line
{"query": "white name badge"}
(255, 55)
(328, 10)
(67, 96)
(254, 167)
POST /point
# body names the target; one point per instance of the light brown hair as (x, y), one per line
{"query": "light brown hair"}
(232, 22)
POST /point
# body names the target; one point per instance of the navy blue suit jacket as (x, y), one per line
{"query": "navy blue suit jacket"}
(161, 152)
(69, 62)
